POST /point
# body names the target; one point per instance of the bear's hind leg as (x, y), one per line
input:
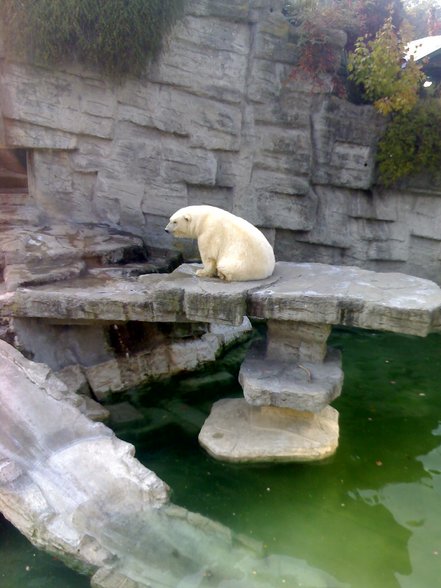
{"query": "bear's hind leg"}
(225, 272)
(209, 270)
(224, 276)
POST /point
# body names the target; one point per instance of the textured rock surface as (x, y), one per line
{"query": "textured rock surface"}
(107, 356)
(304, 386)
(37, 254)
(324, 294)
(219, 119)
(311, 293)
(236, 431)
(77, 491)
(288, 340)
(162, 360)
(53, 460)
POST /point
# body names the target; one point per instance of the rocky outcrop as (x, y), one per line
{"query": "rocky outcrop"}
(220, 119)
(78, 492)
(288, 383)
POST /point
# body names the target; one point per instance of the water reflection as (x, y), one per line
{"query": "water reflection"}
(416, 507)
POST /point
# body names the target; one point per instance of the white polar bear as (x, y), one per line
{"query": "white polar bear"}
(230, 247)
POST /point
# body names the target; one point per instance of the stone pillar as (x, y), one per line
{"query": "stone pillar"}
(287, 384)
(296, 370)
(289, 340)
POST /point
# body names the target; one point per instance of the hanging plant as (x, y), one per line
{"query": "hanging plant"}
(117, 37)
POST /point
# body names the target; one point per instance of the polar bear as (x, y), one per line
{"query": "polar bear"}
(231, 248)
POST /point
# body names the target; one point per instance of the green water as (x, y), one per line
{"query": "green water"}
(370, 516)
(23, 566)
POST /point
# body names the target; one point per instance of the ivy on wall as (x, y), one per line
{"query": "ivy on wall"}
(117, 37)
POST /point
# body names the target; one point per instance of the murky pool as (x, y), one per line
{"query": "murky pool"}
(370, 517)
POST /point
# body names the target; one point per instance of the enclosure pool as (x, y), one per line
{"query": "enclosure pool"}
(370, 517)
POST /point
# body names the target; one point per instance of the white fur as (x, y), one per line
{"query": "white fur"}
(230, 247)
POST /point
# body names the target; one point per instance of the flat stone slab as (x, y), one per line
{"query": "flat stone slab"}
(306, 292)
(238, 432)
(304, 386)
(343, 295)
(184, 294)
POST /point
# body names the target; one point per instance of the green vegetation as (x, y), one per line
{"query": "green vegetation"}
(411, 143)
(374, 69)
(117, 37)
(379, 66)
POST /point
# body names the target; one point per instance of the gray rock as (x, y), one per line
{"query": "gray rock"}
(74, 379)
(207, 299)
(35, 255)
(345, 138)
(238, 432)
(215, 74)
(301, 385)
(58, 100)
(319, 293)
(291, 341)
(124, 412)
(305, 292)
(53, 455)
(164, 360)
(75, 490)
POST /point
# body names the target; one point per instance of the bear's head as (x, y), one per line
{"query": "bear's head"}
(180, 224)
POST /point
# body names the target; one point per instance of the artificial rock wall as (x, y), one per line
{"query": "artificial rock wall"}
(219, 119)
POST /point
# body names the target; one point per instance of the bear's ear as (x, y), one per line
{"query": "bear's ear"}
(187, 217)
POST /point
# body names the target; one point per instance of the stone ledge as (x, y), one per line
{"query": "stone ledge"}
(238, 432)
(350, 296)
(306, 292)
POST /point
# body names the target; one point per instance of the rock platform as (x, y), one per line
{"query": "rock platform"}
(295, 373)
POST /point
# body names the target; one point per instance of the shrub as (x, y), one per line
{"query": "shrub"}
(117, 37)
(411, 143)
(317, 21)
(379, 66)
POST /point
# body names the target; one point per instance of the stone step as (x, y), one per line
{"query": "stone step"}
(17, 207)
(38, 255)
(12, 179)
(22, 274)
(14, 197)
(300, 385)
(11, 214)
(238, 432)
